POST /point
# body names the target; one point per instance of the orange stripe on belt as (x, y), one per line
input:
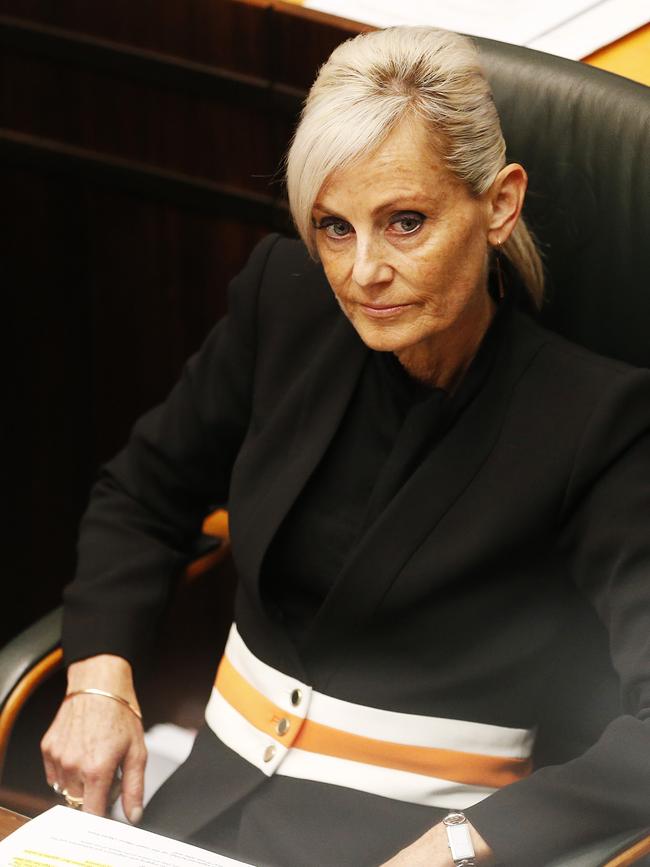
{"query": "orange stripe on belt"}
(305, 734)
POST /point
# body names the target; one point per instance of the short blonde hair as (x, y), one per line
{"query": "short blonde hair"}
(374, 81)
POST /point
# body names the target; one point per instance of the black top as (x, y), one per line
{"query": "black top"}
(391, 423)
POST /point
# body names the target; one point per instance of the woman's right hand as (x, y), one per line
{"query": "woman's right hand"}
(93, 736)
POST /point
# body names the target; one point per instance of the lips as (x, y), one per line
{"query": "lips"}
(382, 311)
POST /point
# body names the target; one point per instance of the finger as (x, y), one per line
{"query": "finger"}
(68, 781)
(50, 765)
(54, 773)
(74, 801)
(115, 789)
(96, 781)
(95, 799)
(51, 771)
(133, 782)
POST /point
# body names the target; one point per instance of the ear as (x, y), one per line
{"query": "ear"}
(506, 198)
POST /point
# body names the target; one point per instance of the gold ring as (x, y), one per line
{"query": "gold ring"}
(72, 801)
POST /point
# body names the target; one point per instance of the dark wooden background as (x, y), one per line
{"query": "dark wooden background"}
(140, 145)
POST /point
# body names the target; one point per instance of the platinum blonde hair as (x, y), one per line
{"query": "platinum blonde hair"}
(376, 80)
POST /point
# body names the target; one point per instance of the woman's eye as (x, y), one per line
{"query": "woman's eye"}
(333, 227)
(406, 224)
(339, 229)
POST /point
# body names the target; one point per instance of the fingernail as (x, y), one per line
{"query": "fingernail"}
(135, 815)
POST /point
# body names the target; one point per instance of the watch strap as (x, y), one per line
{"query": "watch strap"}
(459, 840)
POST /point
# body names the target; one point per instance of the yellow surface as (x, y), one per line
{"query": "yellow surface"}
(629, 56)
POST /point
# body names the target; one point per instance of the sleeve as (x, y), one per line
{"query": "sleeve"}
(605, 537)
(149, 502)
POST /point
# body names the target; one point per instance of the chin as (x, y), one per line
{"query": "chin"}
(381, 341)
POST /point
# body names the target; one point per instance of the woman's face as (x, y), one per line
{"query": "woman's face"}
(404, 247)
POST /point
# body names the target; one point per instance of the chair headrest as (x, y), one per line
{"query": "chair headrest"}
(583, 136)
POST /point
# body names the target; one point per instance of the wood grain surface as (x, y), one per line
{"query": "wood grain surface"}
(9, 821)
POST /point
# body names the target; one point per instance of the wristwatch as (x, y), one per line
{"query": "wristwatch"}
(460, 842)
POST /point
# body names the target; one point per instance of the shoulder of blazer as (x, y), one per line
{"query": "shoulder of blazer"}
(294, 285)
(296, 308)
(588, 374)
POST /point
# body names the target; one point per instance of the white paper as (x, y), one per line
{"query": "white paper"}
(581, 26)
(604, 23)
(62, 837)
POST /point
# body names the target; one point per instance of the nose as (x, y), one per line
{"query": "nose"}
(371, 267)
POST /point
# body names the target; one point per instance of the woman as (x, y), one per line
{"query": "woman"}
(433, 502)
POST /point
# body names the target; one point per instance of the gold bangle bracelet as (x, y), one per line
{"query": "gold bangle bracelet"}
(93, 691)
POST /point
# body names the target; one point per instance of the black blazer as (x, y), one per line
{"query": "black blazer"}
(487, 589)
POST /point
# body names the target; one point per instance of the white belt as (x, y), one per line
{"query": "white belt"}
(283, 726)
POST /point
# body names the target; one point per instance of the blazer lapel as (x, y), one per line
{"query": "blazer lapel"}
(307, 424)
(416, 510)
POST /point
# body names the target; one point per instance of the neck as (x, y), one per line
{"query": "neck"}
(442, 360)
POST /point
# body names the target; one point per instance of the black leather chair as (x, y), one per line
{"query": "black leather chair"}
(584, 137)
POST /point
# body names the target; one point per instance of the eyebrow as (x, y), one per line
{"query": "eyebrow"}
(404, 203)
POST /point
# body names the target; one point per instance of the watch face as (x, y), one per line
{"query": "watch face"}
(454, 819)
(459, 839)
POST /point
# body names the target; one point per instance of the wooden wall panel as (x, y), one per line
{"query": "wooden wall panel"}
(108, 295)
(214, 32)
(139, 145)
(158, 125)
(157, 285)
(301, 40)
(47, 372)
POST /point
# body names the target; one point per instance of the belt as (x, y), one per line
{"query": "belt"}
(284, 726)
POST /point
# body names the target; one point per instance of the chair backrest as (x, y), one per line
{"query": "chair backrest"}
(583, 136)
